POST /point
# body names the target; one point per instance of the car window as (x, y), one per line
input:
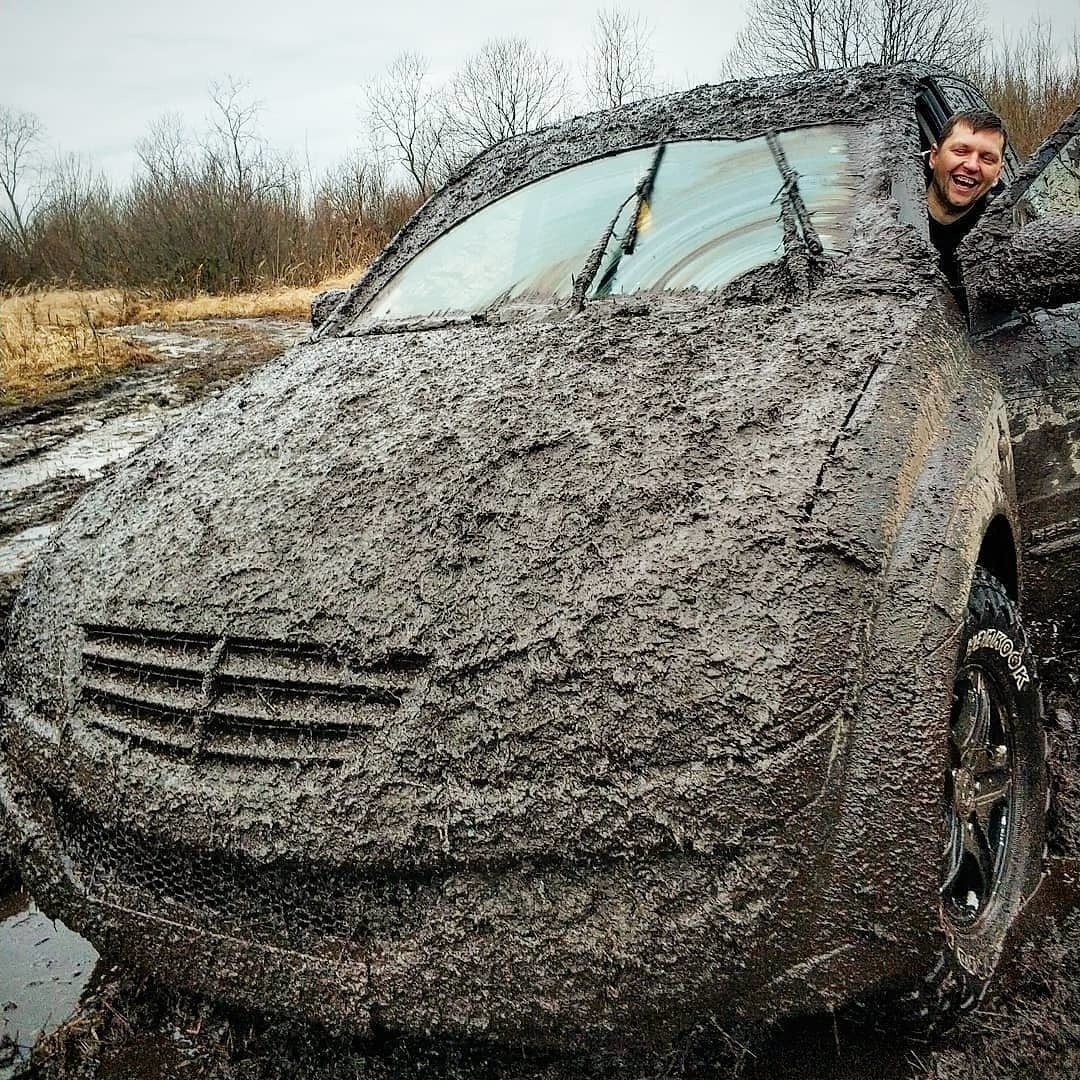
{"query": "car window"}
(529, 243)
(712, 213)
(1057, 188)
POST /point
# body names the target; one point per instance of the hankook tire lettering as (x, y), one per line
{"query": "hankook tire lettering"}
(1011, 652)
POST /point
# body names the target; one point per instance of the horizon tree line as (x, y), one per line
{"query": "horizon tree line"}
(223, 211)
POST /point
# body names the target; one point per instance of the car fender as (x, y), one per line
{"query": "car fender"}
(879, 872)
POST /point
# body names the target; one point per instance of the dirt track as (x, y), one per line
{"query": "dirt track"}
(127, 1027)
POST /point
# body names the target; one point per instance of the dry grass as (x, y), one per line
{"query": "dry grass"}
(291, 303)
(53, 340)
(50, 342)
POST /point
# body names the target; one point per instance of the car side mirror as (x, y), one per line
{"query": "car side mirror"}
(1037, 266)
(323, 305)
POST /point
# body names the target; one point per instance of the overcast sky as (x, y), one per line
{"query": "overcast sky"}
(98, 74)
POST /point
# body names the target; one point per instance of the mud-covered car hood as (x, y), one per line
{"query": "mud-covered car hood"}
(379, 489)
(569, 563)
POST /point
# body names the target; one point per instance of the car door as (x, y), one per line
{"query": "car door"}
(1038, 357)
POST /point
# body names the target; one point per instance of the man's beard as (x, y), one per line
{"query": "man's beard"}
(942, 194)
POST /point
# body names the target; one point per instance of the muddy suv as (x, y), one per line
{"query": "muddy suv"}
(611, 616)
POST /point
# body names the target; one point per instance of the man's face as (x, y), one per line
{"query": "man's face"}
(965, 166)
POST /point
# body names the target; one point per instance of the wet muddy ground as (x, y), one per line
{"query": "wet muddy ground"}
(67, 1013)
(45, 969)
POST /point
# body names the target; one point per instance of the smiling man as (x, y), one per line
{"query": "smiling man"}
(965, 164)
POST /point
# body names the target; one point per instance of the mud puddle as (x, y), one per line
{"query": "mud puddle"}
(89, 449)
(45, 968)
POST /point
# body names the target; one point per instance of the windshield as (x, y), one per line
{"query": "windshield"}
(695, 214)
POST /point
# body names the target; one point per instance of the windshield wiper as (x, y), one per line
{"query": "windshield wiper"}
(642, 193)
(803, 249)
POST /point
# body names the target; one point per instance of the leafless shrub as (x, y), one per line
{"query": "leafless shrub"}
(356, 210)
(217, 214)
(76, 233)
(619, 66)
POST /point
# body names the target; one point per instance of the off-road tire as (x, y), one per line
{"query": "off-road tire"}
(995, 803)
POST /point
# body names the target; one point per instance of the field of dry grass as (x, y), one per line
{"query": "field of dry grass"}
(57, 339)
(50, 341)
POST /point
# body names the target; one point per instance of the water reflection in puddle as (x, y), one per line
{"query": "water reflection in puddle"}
(44, 968)
(17, 552)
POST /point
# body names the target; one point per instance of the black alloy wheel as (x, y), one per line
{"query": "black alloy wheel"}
(978, 795)
(995, 798)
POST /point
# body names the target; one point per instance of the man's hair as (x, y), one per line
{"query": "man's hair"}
(977, 120)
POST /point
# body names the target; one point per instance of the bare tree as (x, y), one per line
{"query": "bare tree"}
(506, 88)
(949, 32)
(235, 147)
(75, 230)
(21, 183)
(250, 192)
(165, 151)
(408, 118)
(619, 66)
(801, 35)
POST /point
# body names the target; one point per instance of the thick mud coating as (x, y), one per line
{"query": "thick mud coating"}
(1042, 267)
(324, 304)
(129, 1026)
(560, 677)
(1039, 220)
(52, 451)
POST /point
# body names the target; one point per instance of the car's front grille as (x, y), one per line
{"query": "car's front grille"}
(314, 910)
(237, 697)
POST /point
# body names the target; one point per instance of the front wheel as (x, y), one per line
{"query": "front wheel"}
(995, 798)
